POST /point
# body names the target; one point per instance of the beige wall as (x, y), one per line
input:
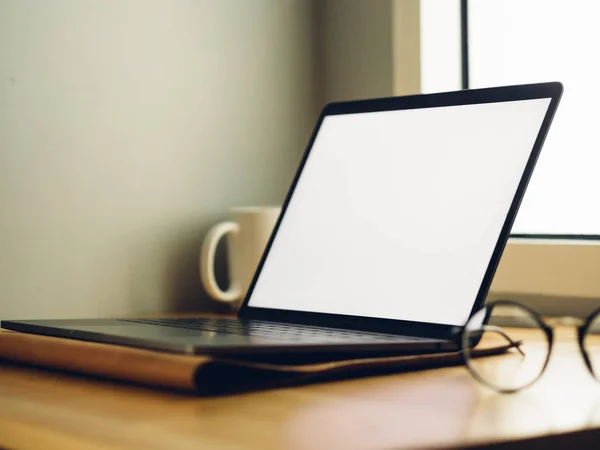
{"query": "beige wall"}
(367, 49)
(127, 128)
(355, 49)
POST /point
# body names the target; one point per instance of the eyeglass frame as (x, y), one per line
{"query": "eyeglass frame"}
(581, 325)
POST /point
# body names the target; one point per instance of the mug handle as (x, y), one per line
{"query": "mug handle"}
(207, 263)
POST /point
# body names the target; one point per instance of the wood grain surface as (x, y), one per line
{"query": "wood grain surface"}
(438, 408)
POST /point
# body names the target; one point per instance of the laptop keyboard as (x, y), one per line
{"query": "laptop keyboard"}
(273, 330)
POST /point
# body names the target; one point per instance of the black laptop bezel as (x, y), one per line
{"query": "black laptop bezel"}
(551, 90)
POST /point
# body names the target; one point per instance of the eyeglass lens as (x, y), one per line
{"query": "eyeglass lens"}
(591, 344)
(514, 328)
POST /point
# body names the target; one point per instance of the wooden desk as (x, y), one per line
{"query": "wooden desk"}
(439, 408)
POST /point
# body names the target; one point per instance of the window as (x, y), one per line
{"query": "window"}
(525, 41)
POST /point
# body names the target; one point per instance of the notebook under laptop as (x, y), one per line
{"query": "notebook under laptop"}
(389, 236)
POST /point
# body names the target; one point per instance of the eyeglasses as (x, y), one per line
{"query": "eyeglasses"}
(528, 339)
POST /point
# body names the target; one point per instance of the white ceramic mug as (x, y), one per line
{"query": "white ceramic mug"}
(249, 232)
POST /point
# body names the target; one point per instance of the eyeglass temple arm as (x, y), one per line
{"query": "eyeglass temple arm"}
(500, 331)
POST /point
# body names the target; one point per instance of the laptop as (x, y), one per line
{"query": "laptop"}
(388, 238)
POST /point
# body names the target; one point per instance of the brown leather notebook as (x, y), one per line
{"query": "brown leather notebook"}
(208, 375)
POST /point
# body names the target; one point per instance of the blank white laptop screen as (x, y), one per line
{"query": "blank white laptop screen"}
(396, 213)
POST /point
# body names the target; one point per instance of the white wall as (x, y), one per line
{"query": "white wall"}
(127, 128)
